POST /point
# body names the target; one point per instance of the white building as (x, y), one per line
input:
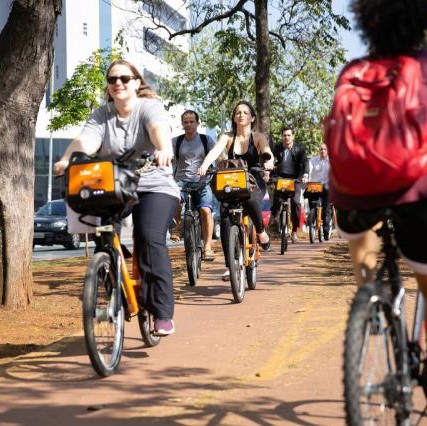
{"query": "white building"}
(84, 27)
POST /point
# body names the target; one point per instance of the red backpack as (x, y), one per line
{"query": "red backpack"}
(376, 131)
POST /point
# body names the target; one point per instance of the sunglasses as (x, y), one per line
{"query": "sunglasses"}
(123, 78)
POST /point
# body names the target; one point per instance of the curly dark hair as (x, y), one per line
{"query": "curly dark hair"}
(391, 27)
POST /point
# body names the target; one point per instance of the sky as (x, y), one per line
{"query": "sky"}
(351, 39)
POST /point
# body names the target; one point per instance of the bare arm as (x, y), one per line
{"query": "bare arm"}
(263, 147)
(214, 153)
(160, 136)
(79, 144)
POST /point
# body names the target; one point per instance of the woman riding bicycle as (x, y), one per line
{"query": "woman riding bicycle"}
(391, 28)
(244, 142)
(134, 117)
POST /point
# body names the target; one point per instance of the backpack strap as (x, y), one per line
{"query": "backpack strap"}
(179, 140)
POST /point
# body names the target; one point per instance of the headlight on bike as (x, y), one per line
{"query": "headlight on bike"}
(85, 193)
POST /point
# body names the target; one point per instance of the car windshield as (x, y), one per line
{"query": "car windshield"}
(52, 209)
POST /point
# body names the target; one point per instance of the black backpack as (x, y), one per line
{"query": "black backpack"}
(180, 138)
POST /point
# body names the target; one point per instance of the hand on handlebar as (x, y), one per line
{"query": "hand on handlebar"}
(163, 158)
(59, 167)
(201, 171)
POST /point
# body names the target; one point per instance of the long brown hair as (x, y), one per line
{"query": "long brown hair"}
(144, 90)
(253, 114)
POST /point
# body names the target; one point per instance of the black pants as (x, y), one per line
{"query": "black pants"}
(253, 208)
(151, 219)
(295, 206)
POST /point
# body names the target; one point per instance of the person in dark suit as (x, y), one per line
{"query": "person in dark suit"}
(291, 162)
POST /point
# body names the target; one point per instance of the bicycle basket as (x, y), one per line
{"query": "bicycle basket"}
(98, 186)
(285, 187)
(232, 182)
(313, 190)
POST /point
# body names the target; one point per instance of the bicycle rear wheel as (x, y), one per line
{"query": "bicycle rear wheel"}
(192, 247)
(284, 230)
(146, 326)
(236, 262)
(312, 225)
(103, 316)
(372, 378)
(251, 269)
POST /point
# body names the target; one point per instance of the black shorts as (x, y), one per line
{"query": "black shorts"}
(410, 230)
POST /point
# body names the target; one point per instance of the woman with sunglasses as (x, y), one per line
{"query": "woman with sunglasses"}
(133, 117)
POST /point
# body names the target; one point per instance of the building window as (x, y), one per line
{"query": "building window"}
(85, 29)
(158, 9)
(159, 47)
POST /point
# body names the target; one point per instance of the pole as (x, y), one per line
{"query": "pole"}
(50, 165)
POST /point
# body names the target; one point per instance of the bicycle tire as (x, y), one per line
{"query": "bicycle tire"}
(312, 225)
(191, 249)
(284, 232)
(236, 262)
(320, 233)
(371, 340)
(146, 326)
(251, 269)
(103, 327)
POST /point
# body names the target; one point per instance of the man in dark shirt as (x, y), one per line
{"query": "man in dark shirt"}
(291, 162)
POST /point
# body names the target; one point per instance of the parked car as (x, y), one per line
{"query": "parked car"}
(50, 226)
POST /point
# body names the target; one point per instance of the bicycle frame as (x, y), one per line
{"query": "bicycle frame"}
(129, 286)
(392, 368)
(239, 218)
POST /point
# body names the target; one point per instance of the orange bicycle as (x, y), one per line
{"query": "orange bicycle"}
(232, 187)
(111, 293)
(313, 193)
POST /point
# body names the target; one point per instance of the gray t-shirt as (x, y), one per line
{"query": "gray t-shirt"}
(190, 157)
(118, 135)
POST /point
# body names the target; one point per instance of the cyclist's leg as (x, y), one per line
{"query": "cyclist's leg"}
(326, 213)
(364, 245)
(204, 201)
(296, 209)
(150, 229)
(253, 208)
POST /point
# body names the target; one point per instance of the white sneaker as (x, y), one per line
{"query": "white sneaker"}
(294, 237)
(226, 275)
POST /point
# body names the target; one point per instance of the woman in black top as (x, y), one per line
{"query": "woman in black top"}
(244, 142)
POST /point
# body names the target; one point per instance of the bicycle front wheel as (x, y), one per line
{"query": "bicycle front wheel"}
(284, 230)
(312, 225)
(251, 269)
(103, 316)
(372, 379)
(236, 261)
(192, 249)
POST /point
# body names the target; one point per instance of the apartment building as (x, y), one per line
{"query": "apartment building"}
(84, 27)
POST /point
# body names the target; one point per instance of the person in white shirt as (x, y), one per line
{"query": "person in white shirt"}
(319, 172)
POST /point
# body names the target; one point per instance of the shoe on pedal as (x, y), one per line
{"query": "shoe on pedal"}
(294, 237)
(208, 255)
(163, 328)
(265, 246)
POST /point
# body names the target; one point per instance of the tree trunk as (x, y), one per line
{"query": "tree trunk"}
(262, 69)
(26, 54)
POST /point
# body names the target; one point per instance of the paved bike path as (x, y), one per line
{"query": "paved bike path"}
(274, 359)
